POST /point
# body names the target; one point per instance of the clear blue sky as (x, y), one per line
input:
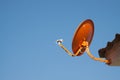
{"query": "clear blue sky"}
(29, 30)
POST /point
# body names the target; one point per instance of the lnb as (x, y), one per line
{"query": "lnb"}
(59, 41)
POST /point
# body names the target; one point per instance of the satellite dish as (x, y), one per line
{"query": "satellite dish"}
(81, 41)
(84, 32)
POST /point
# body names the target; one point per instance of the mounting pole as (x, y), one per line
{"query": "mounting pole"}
(85, 44)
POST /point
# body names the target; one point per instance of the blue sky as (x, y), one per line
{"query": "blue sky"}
(29, 30)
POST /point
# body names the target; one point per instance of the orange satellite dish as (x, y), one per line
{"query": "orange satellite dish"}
(81, 41)
(84, 32)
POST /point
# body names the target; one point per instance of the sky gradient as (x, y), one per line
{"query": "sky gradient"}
(29, 30)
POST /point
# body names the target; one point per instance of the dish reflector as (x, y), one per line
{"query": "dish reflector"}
(84, 32)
